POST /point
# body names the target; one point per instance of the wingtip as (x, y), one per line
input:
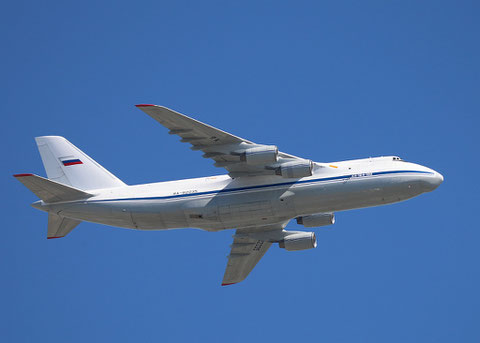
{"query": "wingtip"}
(55, 237)
(144, 105)
(22, 175)
(228, 284)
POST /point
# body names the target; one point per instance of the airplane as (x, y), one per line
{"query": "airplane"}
(263, 190)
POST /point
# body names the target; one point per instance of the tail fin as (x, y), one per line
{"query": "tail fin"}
(50, 191)
(66, 164)
(60, 226)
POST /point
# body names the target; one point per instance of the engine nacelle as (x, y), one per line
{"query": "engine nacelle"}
(295, 169)
(315, 220)
(260, 155)
(299, 241)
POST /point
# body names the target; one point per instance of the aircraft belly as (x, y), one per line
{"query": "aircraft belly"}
(209, 213)
(159, 215)
(113, 214)
(246, 208)
(354, 193)
(240, 210)
(245, 211)
(203, 213)
(256, 208)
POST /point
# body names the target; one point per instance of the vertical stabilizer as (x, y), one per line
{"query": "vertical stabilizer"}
(65, 163)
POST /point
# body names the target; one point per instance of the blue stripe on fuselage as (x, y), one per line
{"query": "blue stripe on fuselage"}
(229, 190)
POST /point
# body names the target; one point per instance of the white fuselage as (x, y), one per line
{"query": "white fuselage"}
(220, 202)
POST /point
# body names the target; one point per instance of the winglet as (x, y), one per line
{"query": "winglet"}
(144, 105)
(55, 237)
(228, 284)
(22, 175)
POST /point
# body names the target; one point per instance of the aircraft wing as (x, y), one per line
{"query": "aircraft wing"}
(239, 156)
(244, 256)
(249, 246)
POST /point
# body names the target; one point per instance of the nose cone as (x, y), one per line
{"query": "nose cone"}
(434, 180)
(440, 178)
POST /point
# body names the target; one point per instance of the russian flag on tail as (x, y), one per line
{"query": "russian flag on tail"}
(67, 163)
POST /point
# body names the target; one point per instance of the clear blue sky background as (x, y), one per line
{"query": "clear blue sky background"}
(324, 80)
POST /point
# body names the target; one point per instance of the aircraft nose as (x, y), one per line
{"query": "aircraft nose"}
(439, 178)
(434, 181)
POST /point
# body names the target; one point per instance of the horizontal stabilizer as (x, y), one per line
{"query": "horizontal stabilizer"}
(50, 191)
(60, 226)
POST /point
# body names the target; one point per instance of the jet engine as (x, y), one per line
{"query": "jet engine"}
(299, 241)
(260, 155)
(315, 220)
(295, 169)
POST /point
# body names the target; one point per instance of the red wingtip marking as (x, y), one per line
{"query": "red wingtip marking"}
(228, 284)
(21, 175)
(143, 105)
(55, 237)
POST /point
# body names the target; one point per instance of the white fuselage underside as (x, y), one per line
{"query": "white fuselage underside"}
(219, 202)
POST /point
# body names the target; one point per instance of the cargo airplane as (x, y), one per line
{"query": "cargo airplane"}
(263, 190)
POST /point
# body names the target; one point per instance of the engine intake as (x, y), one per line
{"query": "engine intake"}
(315, 220)
(260, 155)
(299, 241)
(295, 169)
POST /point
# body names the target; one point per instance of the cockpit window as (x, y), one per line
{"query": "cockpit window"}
(396, 158)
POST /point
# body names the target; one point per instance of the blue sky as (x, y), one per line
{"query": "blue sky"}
(327, 81)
